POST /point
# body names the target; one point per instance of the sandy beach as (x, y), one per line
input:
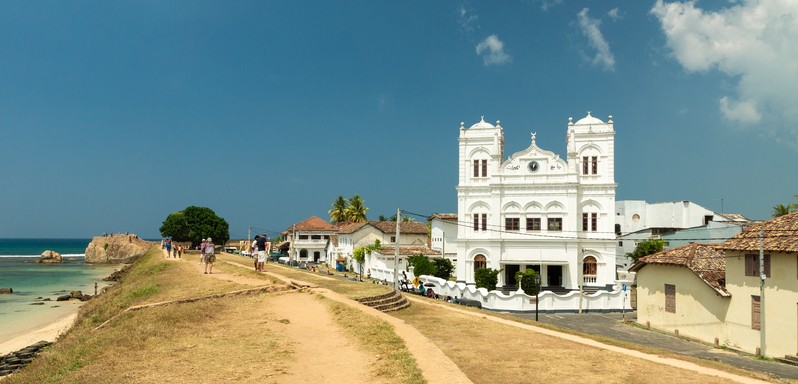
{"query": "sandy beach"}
(49, 332)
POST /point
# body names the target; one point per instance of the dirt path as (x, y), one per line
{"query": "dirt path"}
(322, 353)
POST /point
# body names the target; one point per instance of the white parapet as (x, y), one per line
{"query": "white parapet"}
(604, 301)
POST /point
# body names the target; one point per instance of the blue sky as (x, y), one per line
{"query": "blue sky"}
(114, 114)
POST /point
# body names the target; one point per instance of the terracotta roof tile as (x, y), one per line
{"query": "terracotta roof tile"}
(389, 250)
(404, 227)
(314, 223)
(443, 216)
(705, 260)
(350, 227)
(779, 235)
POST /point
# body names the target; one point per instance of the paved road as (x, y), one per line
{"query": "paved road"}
(612, 326)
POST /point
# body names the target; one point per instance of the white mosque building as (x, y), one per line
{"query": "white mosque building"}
(538, 210)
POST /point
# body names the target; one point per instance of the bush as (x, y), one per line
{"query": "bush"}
(443, 268)
(527, 280)
(421, 265)
(486, 278)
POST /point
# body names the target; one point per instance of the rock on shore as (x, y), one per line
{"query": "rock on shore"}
(116, 249)
(49, 256)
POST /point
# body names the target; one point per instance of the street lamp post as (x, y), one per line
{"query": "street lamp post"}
(537, 293)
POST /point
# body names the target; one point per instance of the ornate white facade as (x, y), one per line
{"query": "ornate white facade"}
(537, 210)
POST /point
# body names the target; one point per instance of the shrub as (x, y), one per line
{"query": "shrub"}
(443, 268)
(421, 265)
(527, 280)
(486, 278)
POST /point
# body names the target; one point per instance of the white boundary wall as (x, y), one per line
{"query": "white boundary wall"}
(616, 300)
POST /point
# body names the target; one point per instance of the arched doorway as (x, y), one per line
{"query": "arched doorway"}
(589, 270)
(480, 261)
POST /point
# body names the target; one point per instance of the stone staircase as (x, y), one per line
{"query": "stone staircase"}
(391, 301)
(789, 359)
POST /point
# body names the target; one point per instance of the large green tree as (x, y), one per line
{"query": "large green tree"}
(195, 223)
(356, 211)
(486, 278)
(421, 265)
(645, 248)
(338, 211)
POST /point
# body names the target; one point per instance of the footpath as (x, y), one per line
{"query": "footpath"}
(611, 325)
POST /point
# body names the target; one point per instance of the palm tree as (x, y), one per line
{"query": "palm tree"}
(339, 211)
(780, 210)
(794, 206)
(356, 212)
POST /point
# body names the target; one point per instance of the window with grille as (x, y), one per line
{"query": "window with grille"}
(594, 222)
(554, 223)
(512, 223)
(584, 165)
(484, 221)
(480, 262)
(533, 224)
(594, 164)
(755, 311)
(752, 265)
(484, 168)
(670, 298)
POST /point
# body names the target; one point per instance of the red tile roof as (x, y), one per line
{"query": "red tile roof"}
(705, 260)
(390, 250)
(314, 223)
(404, 227)
(443, 216)
(350, 227)
(779, 235)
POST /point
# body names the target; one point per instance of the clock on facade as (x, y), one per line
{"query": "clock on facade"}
(533, 166)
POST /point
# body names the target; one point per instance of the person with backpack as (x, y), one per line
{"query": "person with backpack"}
(261, 242)
(210, 255)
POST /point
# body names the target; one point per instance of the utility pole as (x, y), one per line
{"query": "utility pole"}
(762, 277)
(249, 232)
(396, 251)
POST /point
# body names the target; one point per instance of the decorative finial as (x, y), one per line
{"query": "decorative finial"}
(588, 113)
(570, 121)
(534, 134)
(498, 123)
(482, 118)
(462, 124)
(610, 120)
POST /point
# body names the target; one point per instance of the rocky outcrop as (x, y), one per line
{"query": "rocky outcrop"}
(49, 256)
(116, 249)
(16, 360)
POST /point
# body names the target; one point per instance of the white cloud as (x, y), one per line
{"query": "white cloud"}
(546, 4)
(614, 14)
(739, 111)
(590, 28)
(492, 51)
(751, 41)
(467, 19)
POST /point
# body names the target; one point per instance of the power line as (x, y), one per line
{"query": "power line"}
(499, 229)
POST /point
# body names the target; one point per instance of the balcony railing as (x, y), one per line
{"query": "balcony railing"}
(589, 279)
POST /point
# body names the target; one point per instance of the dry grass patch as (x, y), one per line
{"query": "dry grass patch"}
(489, 352)
(394, 363)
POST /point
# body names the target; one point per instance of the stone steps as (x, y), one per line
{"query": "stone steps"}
(391, 301)
(789, 359)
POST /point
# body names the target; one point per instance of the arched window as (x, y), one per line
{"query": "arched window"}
(590, 267)
(480, 262)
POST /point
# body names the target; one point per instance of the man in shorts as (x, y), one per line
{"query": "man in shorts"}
(261, 243)
(210, 255)
(202, 251)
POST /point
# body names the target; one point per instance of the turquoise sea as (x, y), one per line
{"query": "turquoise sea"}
(33, 282)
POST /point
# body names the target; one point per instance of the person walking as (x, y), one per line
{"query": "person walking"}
(261, 243)
(253, 251)
(180, 251)
(202, 251)
(168, 247)
(210, 256)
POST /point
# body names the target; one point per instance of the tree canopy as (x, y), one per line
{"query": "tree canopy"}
(781, 209)
(352, 210)
(645, 248)
(194, 224)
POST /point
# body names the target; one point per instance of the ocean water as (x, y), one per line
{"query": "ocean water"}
(33, 282)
